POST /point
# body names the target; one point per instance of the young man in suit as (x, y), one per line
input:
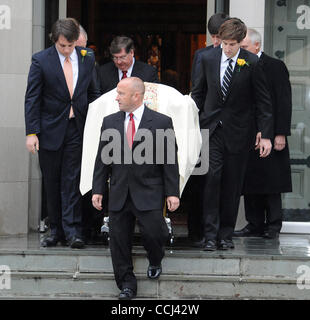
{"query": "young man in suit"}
(137, 189)
(124, 65)
(59, 89)
(214, 24)
(266, 179)
(231, 93)
(194, 185)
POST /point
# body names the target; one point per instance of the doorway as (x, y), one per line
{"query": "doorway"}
(166, 33)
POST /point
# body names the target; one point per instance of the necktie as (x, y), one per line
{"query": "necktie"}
(68, 71)
(227, 78)
(131, 130)
(124, 75)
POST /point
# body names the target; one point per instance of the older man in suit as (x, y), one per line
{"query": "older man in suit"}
(124, 65)
(137, 189)
(60, 87)
(228, 87)
(266, 179)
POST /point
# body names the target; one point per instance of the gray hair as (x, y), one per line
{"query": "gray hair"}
(254, 36)
(82, 30)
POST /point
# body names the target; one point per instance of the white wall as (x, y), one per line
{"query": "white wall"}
(251, 12)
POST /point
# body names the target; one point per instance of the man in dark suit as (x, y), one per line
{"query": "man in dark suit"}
(59, 90)
(266, 179)
(230, 83)
(214, 24)
(137, 189)
(124, 65)
(194, 186)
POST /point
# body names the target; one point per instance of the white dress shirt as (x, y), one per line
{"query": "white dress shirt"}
(137, 116)
(75, 65)
(224, 63)
(129, 71)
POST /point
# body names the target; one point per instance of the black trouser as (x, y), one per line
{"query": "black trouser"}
(61, 177)
(154, 234)
(222, 188)
(193, 191)
(263, 211)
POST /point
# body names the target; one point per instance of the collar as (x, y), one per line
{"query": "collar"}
(137, 113)
(225, 59)
(259, 53)
(73, 56)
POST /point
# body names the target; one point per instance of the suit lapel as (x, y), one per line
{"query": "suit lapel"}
(236, 73)
(55, 67)
(217, 73)
(80, 72)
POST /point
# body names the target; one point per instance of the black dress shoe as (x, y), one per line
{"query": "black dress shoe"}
(198, 243)
(271, 235)
(230, 244)
(246, 232)
(127, 294)
(76, 243)
(222, 245)
(52, 241)
(153, 272)
(210, 245)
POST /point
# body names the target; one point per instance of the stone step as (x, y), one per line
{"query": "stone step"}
(88, 274)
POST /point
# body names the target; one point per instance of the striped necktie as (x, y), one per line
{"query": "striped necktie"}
(227, 78)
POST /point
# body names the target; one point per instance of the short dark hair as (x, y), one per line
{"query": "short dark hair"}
(216, 21)
(121, 42)
(233, 29)
(68, 27)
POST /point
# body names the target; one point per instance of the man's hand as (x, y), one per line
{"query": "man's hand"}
(97, 201)
(279, 143)
(32, 143)
(264, 145)
(173, 203)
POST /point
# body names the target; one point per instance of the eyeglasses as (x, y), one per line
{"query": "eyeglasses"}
(122, 58)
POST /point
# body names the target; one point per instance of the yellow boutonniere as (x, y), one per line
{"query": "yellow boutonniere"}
(241, 63)
(85, 53)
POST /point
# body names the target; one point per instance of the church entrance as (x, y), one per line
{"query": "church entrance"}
(166, 33)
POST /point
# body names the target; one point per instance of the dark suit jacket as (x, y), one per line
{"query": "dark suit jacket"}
(147, 183)
(108, 74)
(247, 90)
(273, 174)
(196, 65)
(47, 101)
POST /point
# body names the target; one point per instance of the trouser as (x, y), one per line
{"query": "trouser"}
(263, 211)
(222, 188)
(61, 177)
(154, 234)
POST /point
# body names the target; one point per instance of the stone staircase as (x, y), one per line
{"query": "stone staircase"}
(63, 273)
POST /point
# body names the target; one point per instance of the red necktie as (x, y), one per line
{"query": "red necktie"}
(131, 130)
(124, 75)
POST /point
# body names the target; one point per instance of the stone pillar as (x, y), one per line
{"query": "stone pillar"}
(251, 12)
(18, 170)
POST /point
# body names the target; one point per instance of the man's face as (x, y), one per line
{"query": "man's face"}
(123, 60)
(81, 42)
(216, 40)
(247, 44)
(230, 47)
(124, 97)
(64, 46)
